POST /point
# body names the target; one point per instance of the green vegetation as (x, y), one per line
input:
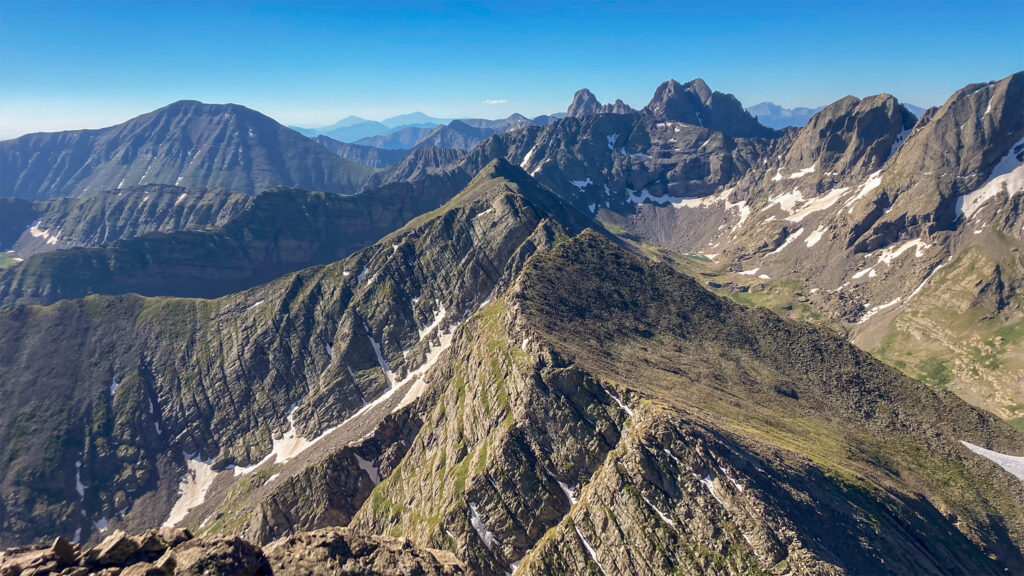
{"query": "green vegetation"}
(7, 260)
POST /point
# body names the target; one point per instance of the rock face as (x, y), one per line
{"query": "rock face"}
(341, 551)
(373, 157)
(106, 217)
(262, 238)
(175, 552)
(584, 103)
(695, 103)
(187, 144)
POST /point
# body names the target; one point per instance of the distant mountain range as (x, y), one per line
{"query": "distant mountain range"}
(777, 117)
(407, 131)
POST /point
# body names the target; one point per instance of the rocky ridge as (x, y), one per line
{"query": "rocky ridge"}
(170, 551)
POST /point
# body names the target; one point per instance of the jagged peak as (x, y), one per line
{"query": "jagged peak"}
(584, 103)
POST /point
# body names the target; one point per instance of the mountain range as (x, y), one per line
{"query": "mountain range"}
(768, 330)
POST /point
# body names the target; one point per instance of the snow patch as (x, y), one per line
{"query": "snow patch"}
(814, 237)
(786, 201)
(181, 198)
(113, 386)
(709, 482)
(369, 468)
(876, 309)
(79, 487)
(644, 196)
(419, 384)
(621, 404)
(611, 141)
(1007, 175)
(1012, 464)
(581, 184)
(789, 240)
(898, 143)
(818, 204)
(803, 172)
(748, 272)
(37, 232)
(891, 253)
(874, 181)
(479, 214)
(529, 156)
(478, 524)
(193, 487)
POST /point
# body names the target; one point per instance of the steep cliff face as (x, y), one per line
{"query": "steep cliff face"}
(275, 233)
(106, 217)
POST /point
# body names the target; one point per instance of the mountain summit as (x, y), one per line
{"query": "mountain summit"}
(695, 103)
(584, 103)
(187, 143)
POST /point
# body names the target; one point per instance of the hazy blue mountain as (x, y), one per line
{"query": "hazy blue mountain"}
(406, 137)
(775, 116)
(916, 110)
(414, 119)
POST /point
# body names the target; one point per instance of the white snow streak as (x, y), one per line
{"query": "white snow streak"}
(1012, 464)
(660, 514)
(803, 172)
(590, 550)
(79, 487)
(814, 237)
(478, 524)
(876, 309)
(789, 240)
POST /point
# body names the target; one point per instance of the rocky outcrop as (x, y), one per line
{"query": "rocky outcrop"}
(695, 103)
(584, 103)
(341, 551)
(168, 552)
(423, 163)
(187, 143)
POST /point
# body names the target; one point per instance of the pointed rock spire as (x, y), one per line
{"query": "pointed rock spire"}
(584, 103)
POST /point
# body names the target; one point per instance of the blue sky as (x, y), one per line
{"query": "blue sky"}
(66, 65)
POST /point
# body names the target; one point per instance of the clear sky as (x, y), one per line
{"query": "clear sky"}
(67, 65)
